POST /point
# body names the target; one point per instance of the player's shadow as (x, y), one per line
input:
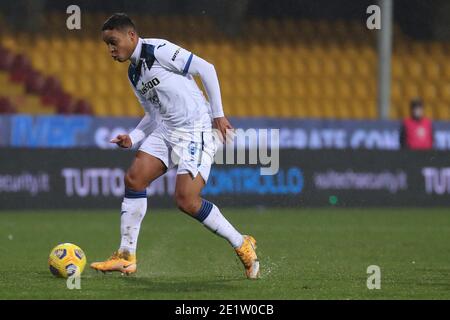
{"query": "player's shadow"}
(182, 285)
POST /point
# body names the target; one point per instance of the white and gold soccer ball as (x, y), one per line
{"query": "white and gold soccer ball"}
(66, 259)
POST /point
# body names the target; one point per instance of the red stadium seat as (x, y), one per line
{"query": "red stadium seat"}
(6, 106)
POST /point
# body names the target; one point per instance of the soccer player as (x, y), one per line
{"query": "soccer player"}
(176, 132)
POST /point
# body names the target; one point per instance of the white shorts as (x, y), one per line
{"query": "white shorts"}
(190, 152)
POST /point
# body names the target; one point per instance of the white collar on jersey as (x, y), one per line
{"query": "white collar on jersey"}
(137, 52)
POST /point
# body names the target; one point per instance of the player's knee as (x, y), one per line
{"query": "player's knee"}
(133, 182)
(186, 202)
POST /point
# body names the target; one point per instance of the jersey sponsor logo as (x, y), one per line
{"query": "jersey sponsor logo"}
(175, 54)
(161, 45)
(148, 85)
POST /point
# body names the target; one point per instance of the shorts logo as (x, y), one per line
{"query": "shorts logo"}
(195, 153)
(192, 148)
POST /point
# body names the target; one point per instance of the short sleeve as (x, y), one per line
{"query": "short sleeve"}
(173, 57)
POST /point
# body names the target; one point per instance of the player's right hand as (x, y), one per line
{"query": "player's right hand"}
(122, 140)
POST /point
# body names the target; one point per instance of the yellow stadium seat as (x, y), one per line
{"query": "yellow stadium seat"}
(298, 108)
(344, 90)
(445, 93)
(396, 91)
(414, 68)
(284, 68)
(372, 111)
(241, 108)
(394, 112)
(342, 109)
(432, 70)
(269, 87)
(257, 106)
(429, 92)
(443, 112)
(411, 90)
(253, 107)
(242, 87)
(329, 68)
(328, 108)
(360, 90)
(255, 88)
(314, 89)
(284, 87)
(299, 88)
(85, 87)
(359, 110)
(313, 108)
(70, 84)
(328, 89)
(364, 68)
(314, 67)
(398, 70)
(298, 67)
(283, 106)
(346, 68)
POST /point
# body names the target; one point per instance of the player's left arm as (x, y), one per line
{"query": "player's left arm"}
(185, 62)
(210, 81)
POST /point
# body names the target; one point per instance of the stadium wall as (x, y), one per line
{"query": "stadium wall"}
(93, 178)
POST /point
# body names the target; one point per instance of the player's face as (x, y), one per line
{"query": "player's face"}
(120, 43)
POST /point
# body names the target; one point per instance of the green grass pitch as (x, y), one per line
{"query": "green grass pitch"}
(304, 254)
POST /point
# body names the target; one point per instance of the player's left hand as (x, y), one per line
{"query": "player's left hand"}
(225, 128)
(122, 140)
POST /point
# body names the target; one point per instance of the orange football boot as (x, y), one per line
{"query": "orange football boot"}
(247, 253)
(123, 262)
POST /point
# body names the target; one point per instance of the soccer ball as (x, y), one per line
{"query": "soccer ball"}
(66, 259)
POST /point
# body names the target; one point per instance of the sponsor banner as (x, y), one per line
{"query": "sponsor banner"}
(92, 178)
(85, 131)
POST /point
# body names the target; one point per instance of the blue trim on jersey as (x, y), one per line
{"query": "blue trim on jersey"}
(188, 63)
(147, 55)
(134, 72)
(204, 211)
(131, 194)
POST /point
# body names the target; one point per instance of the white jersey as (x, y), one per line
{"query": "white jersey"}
(168, 93)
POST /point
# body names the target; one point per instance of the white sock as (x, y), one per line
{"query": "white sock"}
(212, 218)
(133, 211)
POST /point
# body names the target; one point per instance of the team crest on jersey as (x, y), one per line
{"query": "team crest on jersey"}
(154, 99)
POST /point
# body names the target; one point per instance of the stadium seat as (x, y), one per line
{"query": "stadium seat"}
(6, 106)
(328, 70)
